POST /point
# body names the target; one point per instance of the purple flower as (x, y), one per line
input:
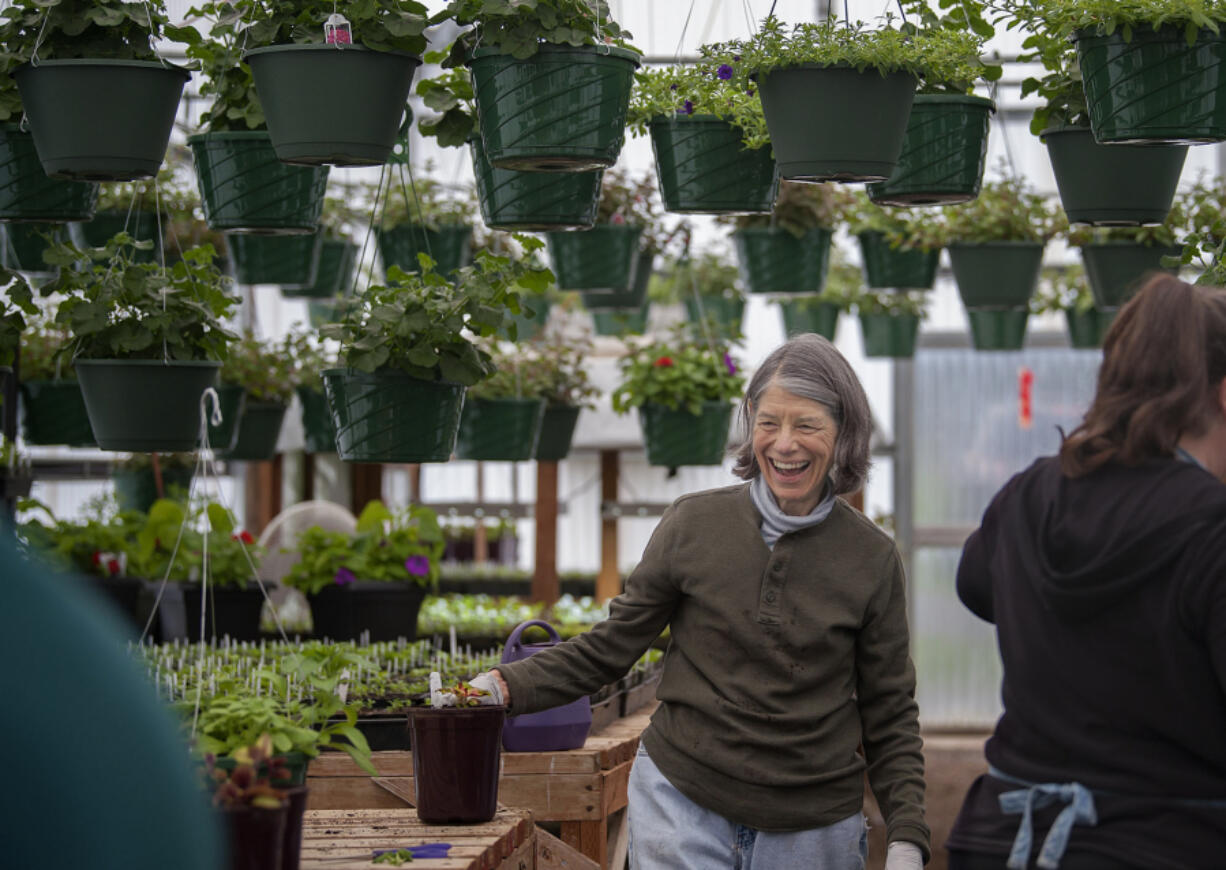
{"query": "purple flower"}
(736, 58)
(729, 363)
(750, 92)
(344, 576)
(418, 566)
(687, 109)
(672, 87)
(724, 72)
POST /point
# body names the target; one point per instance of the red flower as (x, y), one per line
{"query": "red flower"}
(113, 566)
(97, 557)
(244, 536)
(663, 362)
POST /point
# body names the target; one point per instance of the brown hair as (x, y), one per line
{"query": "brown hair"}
(1163, 358)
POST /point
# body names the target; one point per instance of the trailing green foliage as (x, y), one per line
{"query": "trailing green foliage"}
(16, 305)
(904, 228)
(681, 372)
(1007, 210)
(1063, 289)
(41, 359)
(264, 369)
(519, 27)
(450, 93)
(1063, 18)
(870, 301)
(697, 90)
(798, 208)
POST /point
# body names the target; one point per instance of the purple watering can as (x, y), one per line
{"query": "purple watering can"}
(562, 727)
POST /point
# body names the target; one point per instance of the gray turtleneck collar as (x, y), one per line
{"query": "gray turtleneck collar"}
(775, 523)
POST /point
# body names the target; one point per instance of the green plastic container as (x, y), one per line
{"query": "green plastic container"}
(291, 261)
(27, 194)
(392, 417)
(258, 431)
(625, 321)
(632, 298)
(727, 312)
(996, 274)
(887, 267)
(600, 259)
(22, 246)
(1086, 329)
(136, 488)
(557, 432)
(534, 201)
(998, 328)
(318, 431)
(449, 246)
(1116, 270)
(499, 429)
(704, 168)
(143, 227)
(333, 275)
(145, 406)
(53, 412)
(889, 335)
(806, 315)
(772, 260)
(676, 437)
(562, 109)
(232, 400)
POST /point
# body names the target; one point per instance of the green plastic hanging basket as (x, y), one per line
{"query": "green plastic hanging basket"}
(996, 274)
(450, 246)
(600, 259)
(772, 260)
(1086, 329)
(557, 432)
(136, 488)
(889, 335)
(318, 431)
(998, 328)
(22, 246)
(562, 109)
(499, 429)
(1154, 88)
(887, 267)
(258, 431)
(726, 311)
(676, 437)
(245, 188)
(534, 201)
(392, 417)
(809, 315)
(334, 273)
(942, 155)
(145, 406)
(1116, 270)
(53, 412)
(27, 194)
(143, 227)
(615, 323)
(632, 298)
(704, 167)
(532, 319)
(232, 400)
(291, 261)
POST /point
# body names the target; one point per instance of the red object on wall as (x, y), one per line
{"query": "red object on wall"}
(1025, 393)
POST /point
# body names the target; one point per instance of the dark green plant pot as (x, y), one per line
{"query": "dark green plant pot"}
(528, 326)
(145, 406)
(704, 168)
(557, 432)
(676, 437)
(245, 188)
(632, 298)
(136, 490)
(996, 274)
(22, 246)
(888, 267)
(804, 315)
(600, 259)
(727, 312)
(561, 110)
(27, 194)
(499, 429)
(1155, 88)
(1086, 329)
(291, 261)
(143, 227)
(258, 431)
(772, 260)
(332, 103)
(1116, 270)
(101, 120)
(392, 417)
(889, 335)
(318, 431)
(334, 273)
(534, 201)
(1113, 185)
(385, 611)
(998, 328)
(820, 130)
(628, 321)
(449, 246)
(233, 401)
(942, 155)
(53, 412)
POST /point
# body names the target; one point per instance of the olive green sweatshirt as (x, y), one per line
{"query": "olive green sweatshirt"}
(782, 662)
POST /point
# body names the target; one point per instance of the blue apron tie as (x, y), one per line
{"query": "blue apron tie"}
(1080, 810)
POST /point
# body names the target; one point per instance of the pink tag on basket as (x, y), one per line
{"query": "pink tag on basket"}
(336, 30)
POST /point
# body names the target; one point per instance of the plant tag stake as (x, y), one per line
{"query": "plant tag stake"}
(336, 30)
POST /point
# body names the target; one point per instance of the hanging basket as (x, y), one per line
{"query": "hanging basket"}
(534, 201)
(725, 311)
(101, 120)
(388, 611)
(449, 246)
(245, 188)
(457, 754)
(820, 130)
(998, 328)
(1113, 185)
(889, 335)
(772, 260)
(27, 194)
(22, 246)
(619, 322)
(1116, 270)
(499, 429)
(232, 399)
(291, 261)
(561, 110)
(53, 412)
(145, 406)
(258, 431)
(1086, 329)
(601, 259)
(942, 155)
(557, 432)
(1154, 88)
(136, 488)
(807, 315)
(318, 432)
(996, 274)
(392, 417)
(634, 298)
(704, 167)
(98, 231)
(528, 326)
(887, 267)
(334, 273)
(676, 437)
(338, 104)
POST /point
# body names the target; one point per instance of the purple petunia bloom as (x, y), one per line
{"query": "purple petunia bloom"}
(687, 109)
(729, 363)
(344, 576)
(418, 566)
(736, 58)
(724, 72)
(672, 87)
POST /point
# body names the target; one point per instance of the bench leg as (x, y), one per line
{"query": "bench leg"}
(590, 838)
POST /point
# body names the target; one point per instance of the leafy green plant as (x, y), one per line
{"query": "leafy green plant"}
(627, 200)
(904, 228)
(172, 543)
(450, 93)
(41, 359)
(519, 28)
(1063, 18)
(507, 380)
(1204, 207)
(426, 201)
(264, 369)
(168, 194)
(1063, 289)
(964, 17)
(708, 274)
(1007, 210)
(1064, 101)
(16, 305)
(94, 545)
(681, 372)
(308, 358)
(697, 89)
(870, 301)
(249, 783)
(799, 207)
(114, 29)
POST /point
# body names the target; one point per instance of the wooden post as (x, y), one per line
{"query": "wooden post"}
(545, 585)
(608, 581)
(263, 493)
(366, 484)
(308, 476)
(414, 483)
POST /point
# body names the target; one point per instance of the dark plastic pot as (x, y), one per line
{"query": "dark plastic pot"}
(257, 836)
(101, 120)
(22, 246)
(386, 610)
(819, 128)
(562, 109)
(334, 274)
(534, 201)
(633, 298)
(996, 274)
(145, 406)
(1154, 88)
(557, 432)
(1086, 329)
(727, 312)
(998, 328)
(384, 733)
(1113, 185)
(1116, 270)
(332, 103)
(258, 431)
(143, 227)
(136, 488)
(233, 611)
(942, 155)
(53, 412)
(552, 730)
(291, 848)
(456, 762)
(233, 401)
(772, 260)
(628, 321)
(704, 168)
(449, 246)
(888, 267)
(806, 315)
(499, 429)
(318, 432)
(889, 335)
(393, 417)
(601, 259)
(27, 194)
(676, 437)
(245, 188)
(291, 261)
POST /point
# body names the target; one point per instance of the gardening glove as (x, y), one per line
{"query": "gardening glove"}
(490, 681)
(904, 855)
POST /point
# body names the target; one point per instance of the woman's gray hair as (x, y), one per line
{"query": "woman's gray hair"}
(811, 367)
